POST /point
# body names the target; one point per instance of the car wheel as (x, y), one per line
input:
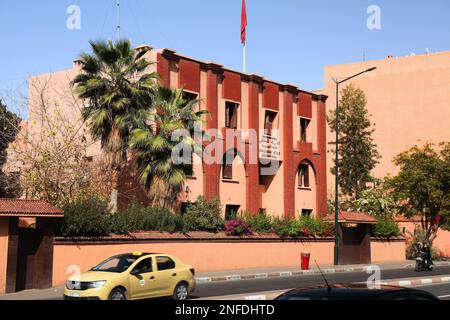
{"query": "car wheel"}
(181, 292)
(117, 294)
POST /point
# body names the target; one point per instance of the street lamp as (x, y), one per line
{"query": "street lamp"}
(336, 199)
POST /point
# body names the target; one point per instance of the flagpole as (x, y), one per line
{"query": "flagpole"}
(244, 59)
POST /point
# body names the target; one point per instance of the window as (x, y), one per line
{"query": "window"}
(165, 263)
(227, 170)
(306, 213)
(116, 264)
(269, 118)
(189, 96)
(189, 167)
(304, 124)
(303, 176)
(231, 115)
(144, 266)
(231, 212)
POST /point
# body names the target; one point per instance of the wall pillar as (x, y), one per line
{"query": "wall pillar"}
(289, 167)
(12, 255)
(321, 170)
(253, 196)
(4, 234)
(211, 173)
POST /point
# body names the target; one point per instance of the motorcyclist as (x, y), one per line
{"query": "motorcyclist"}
(426, 251)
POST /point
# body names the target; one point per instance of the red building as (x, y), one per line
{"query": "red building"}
(237, 101)
(272, 135)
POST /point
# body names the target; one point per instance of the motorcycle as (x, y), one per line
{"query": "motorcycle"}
(423, 263)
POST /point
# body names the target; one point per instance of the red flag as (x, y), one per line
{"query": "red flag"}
(243, 23)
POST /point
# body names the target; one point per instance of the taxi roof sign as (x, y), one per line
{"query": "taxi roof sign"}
(137, 253)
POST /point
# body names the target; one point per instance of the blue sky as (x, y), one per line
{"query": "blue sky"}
(287, 40)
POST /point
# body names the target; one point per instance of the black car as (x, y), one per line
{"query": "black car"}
(355, 292)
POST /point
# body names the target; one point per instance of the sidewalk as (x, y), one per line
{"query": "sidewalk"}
(235, 275)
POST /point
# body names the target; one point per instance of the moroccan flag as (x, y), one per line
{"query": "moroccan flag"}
(243, 23)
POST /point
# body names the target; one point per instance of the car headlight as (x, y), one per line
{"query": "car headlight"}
(96, 284)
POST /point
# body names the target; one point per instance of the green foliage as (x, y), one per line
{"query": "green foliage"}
(9, 128)
(85, 218)
(303, 227)
(377, 202)
(422, 185)
(117, 92)
(137, 218)
(160, 172)
(204, 215)
(261, 223)
(386, 228)
(358, 155)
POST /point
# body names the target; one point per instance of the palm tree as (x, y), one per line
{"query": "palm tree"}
(159, 171)
(118, 91)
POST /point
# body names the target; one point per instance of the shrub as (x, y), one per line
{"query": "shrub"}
(237, 228)
(286, 228)
(386, 228)
(139, 218)
(204, 215)
(261, 223)
(303, 227)
(85, 218)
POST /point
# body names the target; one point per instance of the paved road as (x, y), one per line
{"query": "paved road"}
(214, 289)
(259, 285)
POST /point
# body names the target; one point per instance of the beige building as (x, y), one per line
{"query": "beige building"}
(408, 98)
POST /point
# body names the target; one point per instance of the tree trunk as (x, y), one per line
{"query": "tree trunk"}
(113, 204)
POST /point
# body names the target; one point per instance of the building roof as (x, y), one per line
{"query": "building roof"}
(406, 219)
(28, 208)
(353, 217)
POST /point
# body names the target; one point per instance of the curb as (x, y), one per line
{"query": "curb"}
(279, 274)
(417, 282)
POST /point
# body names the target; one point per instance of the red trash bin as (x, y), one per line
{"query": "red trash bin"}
(305, 260)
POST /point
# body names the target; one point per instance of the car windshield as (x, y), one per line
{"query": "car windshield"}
(116, 264)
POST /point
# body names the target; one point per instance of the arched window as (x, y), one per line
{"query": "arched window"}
(303, 175)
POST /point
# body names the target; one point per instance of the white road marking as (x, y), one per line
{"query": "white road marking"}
(425, 281)
(404, 283)
(285, 274)
(233, 277)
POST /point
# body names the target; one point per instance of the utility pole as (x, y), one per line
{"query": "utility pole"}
(336, 182)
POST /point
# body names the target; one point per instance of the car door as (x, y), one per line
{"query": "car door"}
(166, 275)
(142, 280)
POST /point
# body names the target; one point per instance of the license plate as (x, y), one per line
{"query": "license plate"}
(73, 294)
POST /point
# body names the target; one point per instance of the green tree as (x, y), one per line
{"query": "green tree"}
(377, 202)
(118, 91)
(358, 155)
(422, 187)
(9, 128)
(164, 147)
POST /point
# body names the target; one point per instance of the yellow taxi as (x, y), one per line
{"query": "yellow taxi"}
(133, 276)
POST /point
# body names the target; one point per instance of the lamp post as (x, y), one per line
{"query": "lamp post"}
(336, 199)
